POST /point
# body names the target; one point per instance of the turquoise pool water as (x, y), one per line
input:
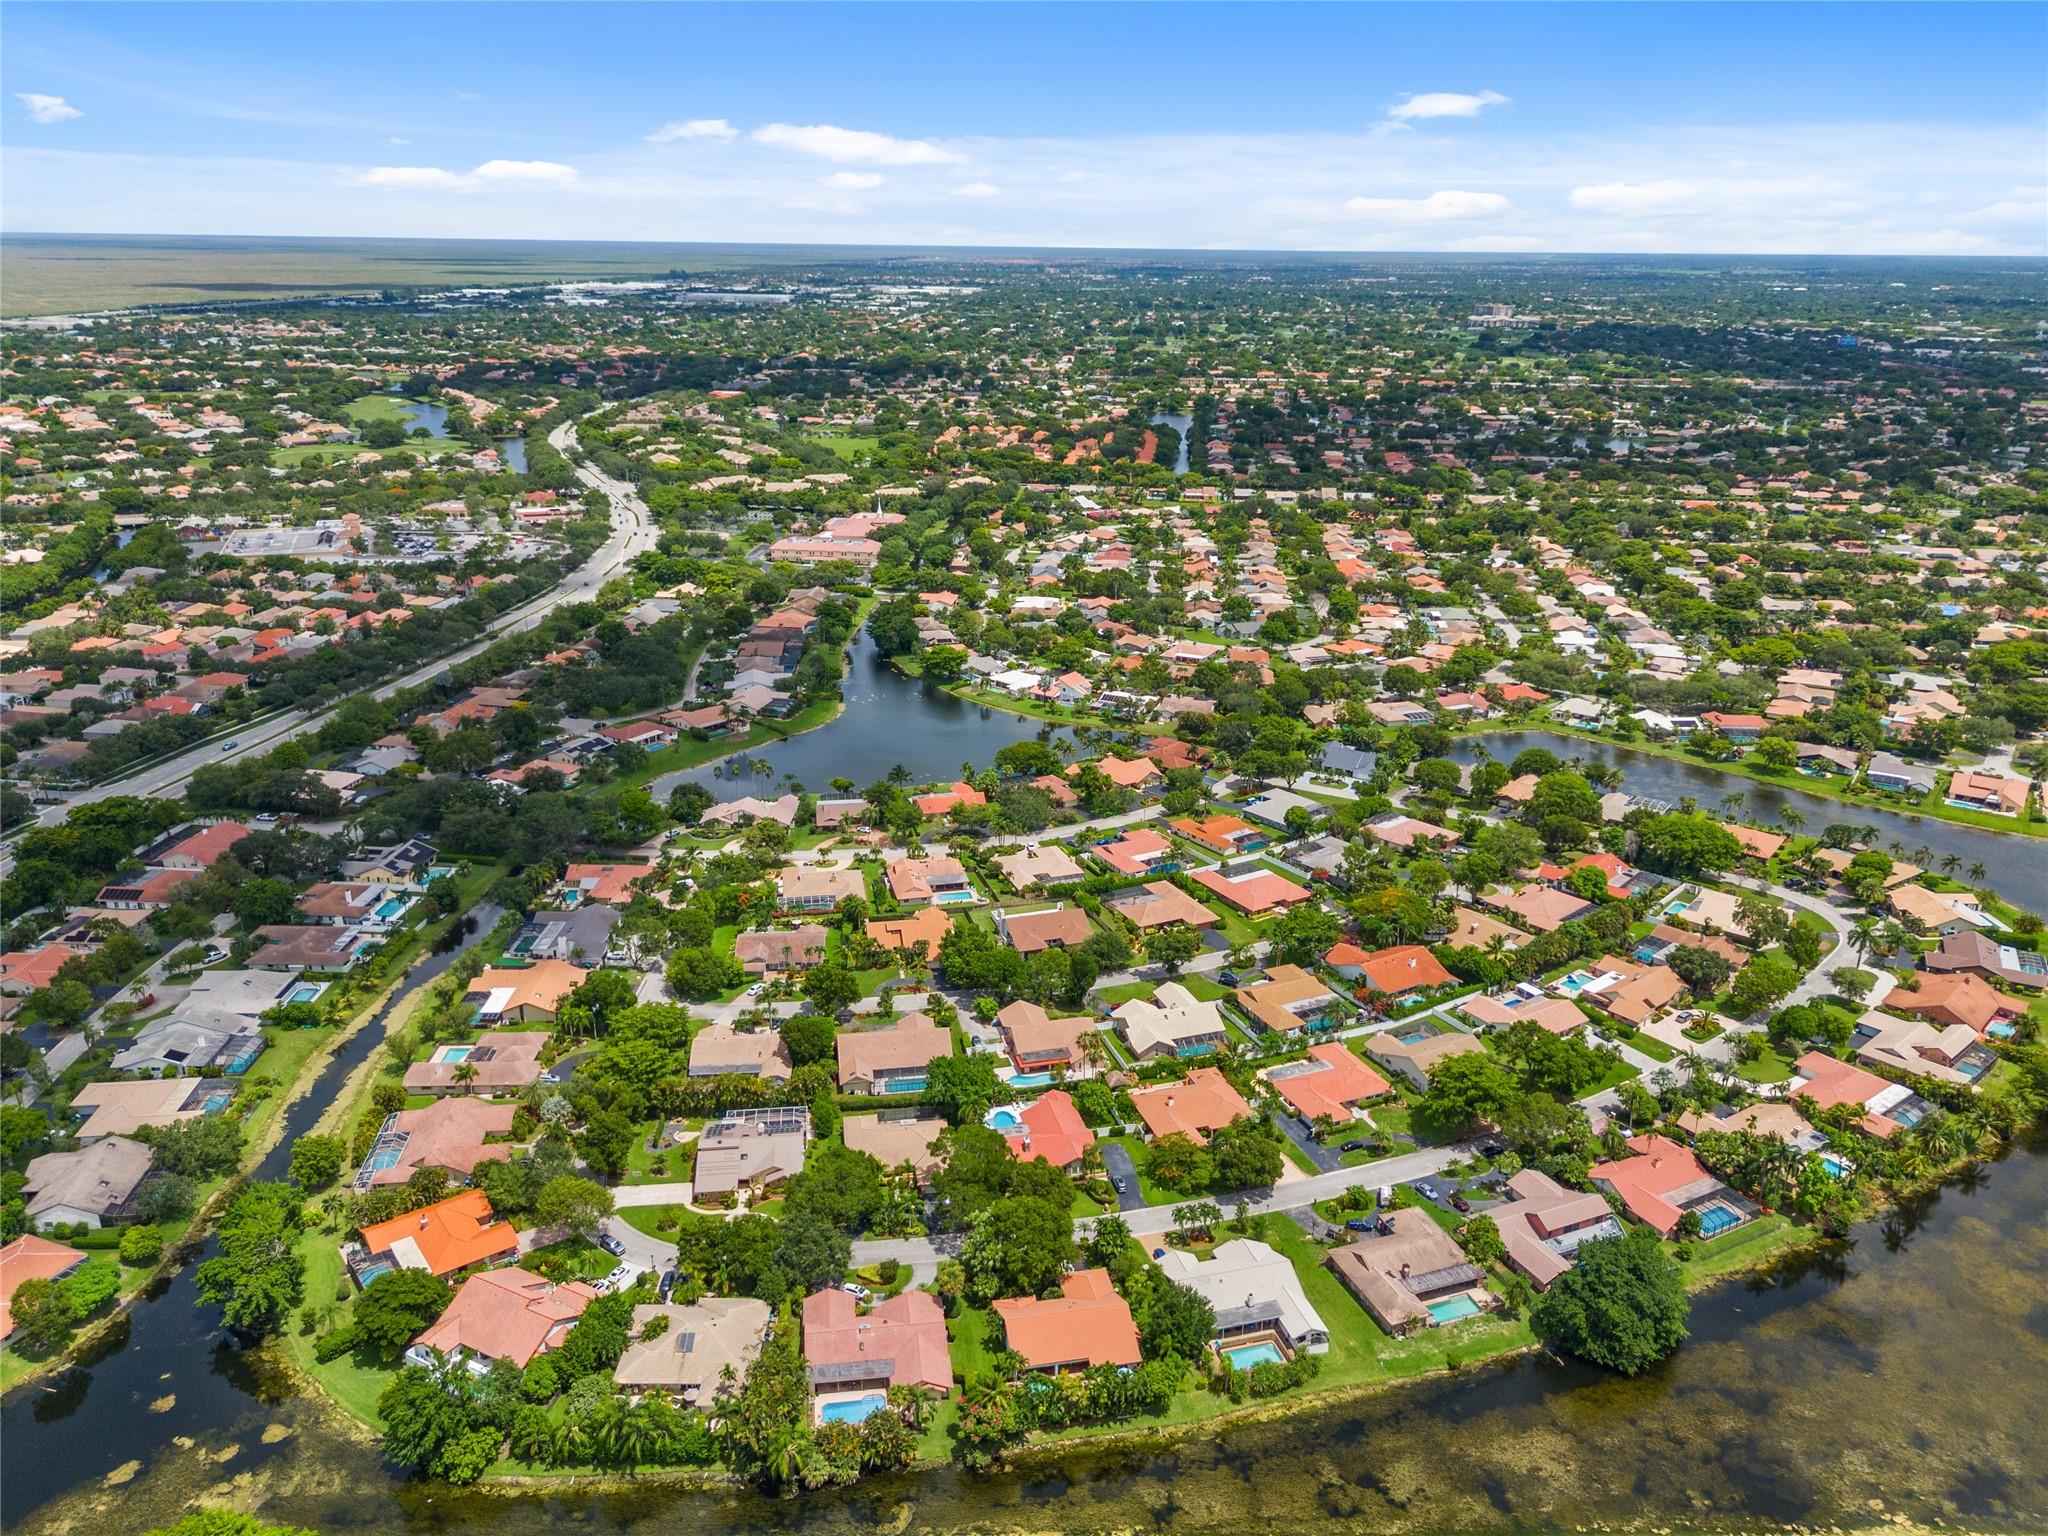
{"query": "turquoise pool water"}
(390, 908)
(1717, 1219)
(1454, 1309)
(1003, 1120)
(1245, 1356)
(1031, 1080)
(1574, 984)
(955, 899)
(904, 1085)
(305, 992)
(1834, 1165)
(457, 1053)
(852, 1412)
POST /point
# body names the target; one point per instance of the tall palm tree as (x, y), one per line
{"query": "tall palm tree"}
(1976, 874)
(1791, 818)
(1949, 863)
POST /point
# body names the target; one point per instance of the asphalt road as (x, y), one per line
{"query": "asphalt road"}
(633, 533)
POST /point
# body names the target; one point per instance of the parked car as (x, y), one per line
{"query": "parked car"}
(618, 1279)
(1352, 1146)
(757, 989)
(1119, 1183)
(668, 1283)
(1360, 1224)
(857, 1292)
(1460, 1204)
(1230, 978)
(1386, 1194)
(610, 1244)
(1429, 1191)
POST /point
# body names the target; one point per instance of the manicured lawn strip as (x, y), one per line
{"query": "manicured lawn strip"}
(975, 1335)
(1651, 1047)
(354, 1384)
(1745, 1246)
(1771, 1067)
(648, 1219)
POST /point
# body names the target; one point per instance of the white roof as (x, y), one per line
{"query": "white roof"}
(1174, 1014)
(1243, 1272)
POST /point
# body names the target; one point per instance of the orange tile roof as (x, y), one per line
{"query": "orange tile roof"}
(446, 1236)
(1087, 1324)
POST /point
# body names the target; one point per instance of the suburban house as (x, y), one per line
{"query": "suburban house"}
(1172, 1022)
(815, 888)
(1087, 1324)
(778, 951)
(1159, 903)
(92, 1185)
(581, 934)
(1139, 851)
(450, 1134)
(199, 850)
(1053, 927)
(1543, 1224)
(894, 1138)
(30, 1257)
(1199, 1103)
(927, 926)
(751, 1149)
(1410, 1054)
(689, 1357)
(1220, 833)
(1559, 1015)
(1539, 908)
(1037, 1042)
(1737, 728)
(502, 1314)
(1252, 890)
(913, 882)
(1887, 1107)
(1887, 770)
(441, 1238)
(725, 1050)
(1328, 1083)
(1289, 999)
(1040, 868)
(393, 863)
(1256, 1295)
(181, 1045)
(1948, 1053)
(122, 1108)
(526, 994)
(610, 884)
(852, 1359)
(1660, 1181)
(1957, 999)
(1767, 1117)
(353, 903)
(309, 947)
(1996, 793)
(939, 802)
(501, 1061)
(23, 971)
(1970, 952)
(1049, 1127)
(1939, 912)
(1392, 973)
(893, 1059)
(1410, 1274)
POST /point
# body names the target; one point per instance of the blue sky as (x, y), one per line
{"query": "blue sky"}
(1404, 127)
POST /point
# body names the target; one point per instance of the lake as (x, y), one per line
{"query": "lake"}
(2015, 866)
(889, 719)
(1903, 1374)
(434, 418)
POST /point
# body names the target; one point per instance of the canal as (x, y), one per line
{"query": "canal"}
(166, 1369)
(889, 720)
(434, 419)
(1181, 423)
(1902, 1376)
(2014, 866)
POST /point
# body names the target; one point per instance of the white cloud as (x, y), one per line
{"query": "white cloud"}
(1437, 208)
(854, 145)
(977, 189)
(853, 181)
(1498, 243)
(47, 109)
(1635, 196)
(416, 178)
(716, 128)
(1445, 104)
(397, 143)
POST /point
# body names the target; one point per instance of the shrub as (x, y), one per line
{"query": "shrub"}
(141, 1245)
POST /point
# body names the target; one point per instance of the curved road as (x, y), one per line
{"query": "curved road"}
(633, 533)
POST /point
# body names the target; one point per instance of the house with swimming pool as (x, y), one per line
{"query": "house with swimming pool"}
(1173, 1022)
(529, 994)
(894, 1059)
(1659, 1182)
(1262, 1312)
(452, 1134)
(1543, 1225)
(1409, 1274)
(1949, 1053)
(1288, 1000)
(1049, 1127)
(1040, 1045)
(938, 881)
(442, 1238)
(852, 1358)
(1888, 1107)
(355, 903)
(497, 1061)
(1412, 1048)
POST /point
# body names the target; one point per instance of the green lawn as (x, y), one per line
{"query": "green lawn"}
(648, 1219)
(1747, 1245)
(1123, 992)
(1771, 1067)
(354, 1381)
(975, 1336)
(1652, 1047)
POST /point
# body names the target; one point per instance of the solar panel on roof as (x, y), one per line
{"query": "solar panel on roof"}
(685, 1342)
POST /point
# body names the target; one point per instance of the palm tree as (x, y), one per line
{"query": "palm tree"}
(1791, 818)
(1977, 873)
(465, 1073)
(1949, 861)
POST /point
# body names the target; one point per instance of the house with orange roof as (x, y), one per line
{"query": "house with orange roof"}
(1087, 1324)
(1050, 1127)
(1253, 891)
(1956, 997)
(441, 1238)
(928, 926)
(30, 1257)
(1139, 851)
(914, 881)
(502, 1314)
(939, 802)
(1199, 1103)
(1221, 832)
(1138, 773)
(204, 848)
(1037, 1042)
(1330, 1082)
(610, 884)
(850, 1355)
(1394, 972)
(1660, 1181)
(23, 971)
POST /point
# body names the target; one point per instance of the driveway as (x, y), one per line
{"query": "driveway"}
(1116, 1162)
(1326, 1159)
(672, 1193)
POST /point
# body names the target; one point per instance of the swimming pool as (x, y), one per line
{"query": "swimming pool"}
(853, 1410)
(1030, 1079)
(1245, 1356)
(954, 899)
(385, 1158)
(904, 1085)
(1716, 1219)
(373, 1272)
(1002, 1120)
(456, 1052)
(1453, 1309)
(1577, 982)
(390, 908)
(305, 992)
(1834, 1165)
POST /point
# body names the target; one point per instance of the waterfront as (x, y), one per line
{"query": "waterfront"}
(2014, 866)
(1873, 1381)
(889, 720)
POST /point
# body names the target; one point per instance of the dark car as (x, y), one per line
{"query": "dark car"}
(1230, 978)
(1494, 1148)
(1352, 1146)
(668, 1283)
(1361, 1224)
(1460, 1203)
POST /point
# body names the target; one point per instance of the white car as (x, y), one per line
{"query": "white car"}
(757, 989)
(859, 1293)
(620, 1278)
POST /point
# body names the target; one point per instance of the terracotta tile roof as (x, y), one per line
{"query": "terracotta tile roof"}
(1087, 1324)
(446, 1236)
(508, 1314)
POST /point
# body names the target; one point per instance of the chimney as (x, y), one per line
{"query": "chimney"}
(1404, 1271)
